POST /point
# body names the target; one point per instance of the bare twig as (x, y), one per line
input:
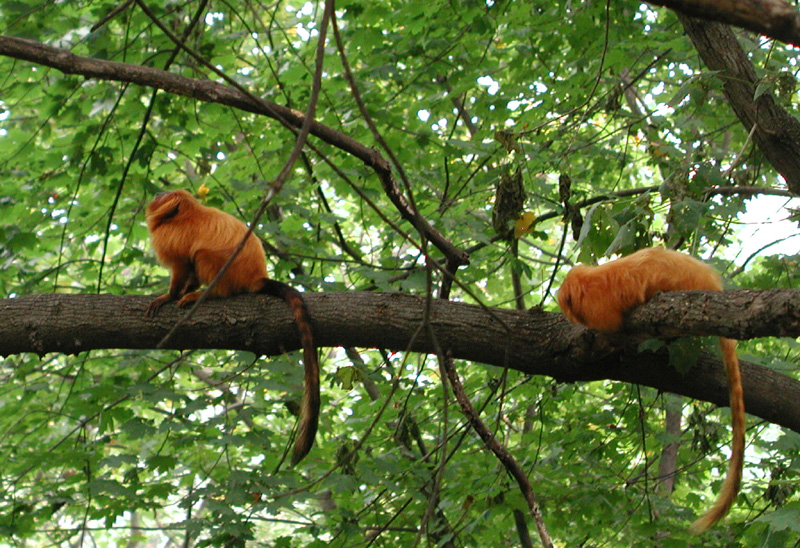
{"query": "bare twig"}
(500, 452)
(113, 13)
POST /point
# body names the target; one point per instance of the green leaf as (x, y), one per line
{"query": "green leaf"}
(783, 519)
(683, 354)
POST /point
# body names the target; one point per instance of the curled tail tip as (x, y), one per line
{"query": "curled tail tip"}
(305, 435)
(708, 520)
(300, 451)
(703, 524)
(303, 443)
(716, 512)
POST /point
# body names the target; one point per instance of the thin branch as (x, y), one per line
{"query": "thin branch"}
(739, 158)
(406, 207)
(201, 8)
(499, 451)
(113, 13)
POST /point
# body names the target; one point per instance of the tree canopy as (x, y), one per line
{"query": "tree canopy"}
(427, 173)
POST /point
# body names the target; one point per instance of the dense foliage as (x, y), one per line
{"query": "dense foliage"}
(604, 107)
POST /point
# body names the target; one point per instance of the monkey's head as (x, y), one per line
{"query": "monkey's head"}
(571, 294)
(596, 296)
(169, 205)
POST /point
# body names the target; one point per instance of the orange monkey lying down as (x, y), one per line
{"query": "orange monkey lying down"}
(195, 241)
(599, 296)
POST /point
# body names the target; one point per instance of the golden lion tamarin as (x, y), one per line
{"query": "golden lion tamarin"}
(599, 296)
(194, 242)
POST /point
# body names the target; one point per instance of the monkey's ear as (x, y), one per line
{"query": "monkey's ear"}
(156, 219)
(171, 213)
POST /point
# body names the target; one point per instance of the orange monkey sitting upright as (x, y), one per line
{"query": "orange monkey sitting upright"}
(599, 296)
(195, 241)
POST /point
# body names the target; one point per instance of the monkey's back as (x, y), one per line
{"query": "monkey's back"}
(599, 296)
(212, 247)
(185, 232)
(660, 269)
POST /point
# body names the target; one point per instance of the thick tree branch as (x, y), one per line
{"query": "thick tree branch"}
(774, 18)
(213, 92)
(536, 343)
(777, 133)
(736, 314)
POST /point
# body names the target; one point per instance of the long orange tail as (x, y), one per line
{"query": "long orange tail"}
(733, 479)
(309, 408)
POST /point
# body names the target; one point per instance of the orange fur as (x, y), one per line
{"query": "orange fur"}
(195, 242)
(599, 296)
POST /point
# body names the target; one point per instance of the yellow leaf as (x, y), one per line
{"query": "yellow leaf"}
(203, 191)
(523, 224)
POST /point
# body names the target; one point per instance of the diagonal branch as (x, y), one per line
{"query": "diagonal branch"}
(500, 451)
(777, 133)
(213, 92)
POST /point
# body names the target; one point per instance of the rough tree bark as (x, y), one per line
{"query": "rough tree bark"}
(537, 343)
(777, 133)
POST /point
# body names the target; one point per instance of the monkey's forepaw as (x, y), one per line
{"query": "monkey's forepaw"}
(189, 299)
(155, 305)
